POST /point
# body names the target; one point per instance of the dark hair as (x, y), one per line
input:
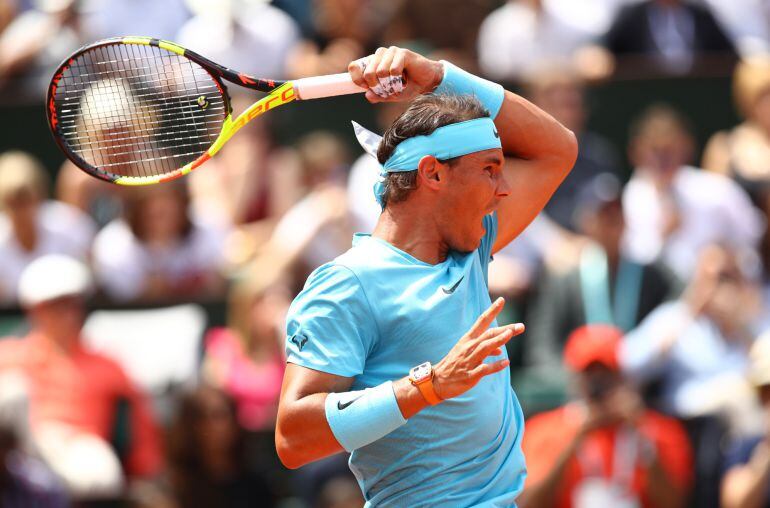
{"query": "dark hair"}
(426, 114)
(191, 481)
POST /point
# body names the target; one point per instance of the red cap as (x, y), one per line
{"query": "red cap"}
(593, 343)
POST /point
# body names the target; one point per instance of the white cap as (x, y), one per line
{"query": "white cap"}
(759, 361)
(53, 276)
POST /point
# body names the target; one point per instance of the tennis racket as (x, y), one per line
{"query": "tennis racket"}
(141, 111)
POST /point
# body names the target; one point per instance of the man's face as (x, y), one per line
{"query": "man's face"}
(605, 226)
(596, 382)
(476, 185)
(564, 100)
(61, 319)
(660, 149)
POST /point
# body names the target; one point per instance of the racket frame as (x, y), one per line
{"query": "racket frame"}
(279, 93)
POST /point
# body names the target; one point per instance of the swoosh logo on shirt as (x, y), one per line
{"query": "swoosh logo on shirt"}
(496, 134)
(342, 405)
(452, 289)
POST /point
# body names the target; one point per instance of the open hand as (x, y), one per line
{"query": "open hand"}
(463, 367)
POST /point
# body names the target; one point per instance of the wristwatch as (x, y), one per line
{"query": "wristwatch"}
(422, 377)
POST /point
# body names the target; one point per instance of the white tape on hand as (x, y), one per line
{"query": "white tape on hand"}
(388, 86)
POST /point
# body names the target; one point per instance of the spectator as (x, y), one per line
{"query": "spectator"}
(413, 24)
(207, 455)
(246, 359)
(36, 41)
(24, 481)
(232, 32)
(604, 448)
(672, 209)
(520, 35)
(252, 180)
(86, 418)
(118, 18)
(746, 483)
(559, 91)
(158, 252)
(316, 229)
(696, 350)
(742, 153)
(747, 22)
(605, 287)
(669, 34)
(591, 16)
(31, 226)
(343, 31)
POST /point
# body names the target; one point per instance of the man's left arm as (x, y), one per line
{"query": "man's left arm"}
(540, 152)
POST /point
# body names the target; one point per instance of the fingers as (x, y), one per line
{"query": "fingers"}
(380, 73)
(486, 318)
(356, 71)
(486, 369)
(515, 328)
(494, 345)
(390, 81)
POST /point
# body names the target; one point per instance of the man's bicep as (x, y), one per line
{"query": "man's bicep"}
(532, 185)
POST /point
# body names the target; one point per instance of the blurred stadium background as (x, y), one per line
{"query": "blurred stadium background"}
(169, 400)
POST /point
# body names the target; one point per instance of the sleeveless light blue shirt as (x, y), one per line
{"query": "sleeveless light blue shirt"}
(375, 312)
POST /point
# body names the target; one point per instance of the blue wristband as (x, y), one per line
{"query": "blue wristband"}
(459, 82)
(362, 417)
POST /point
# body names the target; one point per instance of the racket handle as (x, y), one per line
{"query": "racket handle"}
(326, 86)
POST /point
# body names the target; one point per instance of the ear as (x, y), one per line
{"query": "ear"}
(430, 172)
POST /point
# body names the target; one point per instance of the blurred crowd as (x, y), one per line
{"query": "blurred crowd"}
(645, 368)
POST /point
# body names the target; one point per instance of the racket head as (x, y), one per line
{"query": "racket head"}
(136, 110)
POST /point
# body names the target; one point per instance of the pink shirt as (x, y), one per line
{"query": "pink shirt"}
(254, 387)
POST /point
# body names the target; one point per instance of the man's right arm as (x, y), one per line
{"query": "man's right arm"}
(303, 433)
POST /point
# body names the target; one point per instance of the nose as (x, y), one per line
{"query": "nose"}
(503, 187)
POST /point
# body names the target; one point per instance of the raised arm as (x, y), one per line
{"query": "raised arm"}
(541, 151)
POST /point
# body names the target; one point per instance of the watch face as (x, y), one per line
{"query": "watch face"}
(421, 372)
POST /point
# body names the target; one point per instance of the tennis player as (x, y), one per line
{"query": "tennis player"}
(393, 350)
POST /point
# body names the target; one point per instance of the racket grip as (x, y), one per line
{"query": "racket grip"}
(326, 86)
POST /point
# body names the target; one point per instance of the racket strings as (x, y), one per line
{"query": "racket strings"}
(137, 111)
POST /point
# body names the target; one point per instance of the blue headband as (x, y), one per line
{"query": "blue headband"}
(446, 142)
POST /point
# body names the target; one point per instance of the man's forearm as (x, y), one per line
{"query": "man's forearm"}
(304, 434)
(527, 132)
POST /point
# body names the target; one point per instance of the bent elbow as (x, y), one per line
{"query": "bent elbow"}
(569, 150)
(287, 453)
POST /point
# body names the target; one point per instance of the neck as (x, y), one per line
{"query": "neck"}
(413, 231)
(64, 343)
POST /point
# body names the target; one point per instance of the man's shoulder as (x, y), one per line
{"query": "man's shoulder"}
(103, 366)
